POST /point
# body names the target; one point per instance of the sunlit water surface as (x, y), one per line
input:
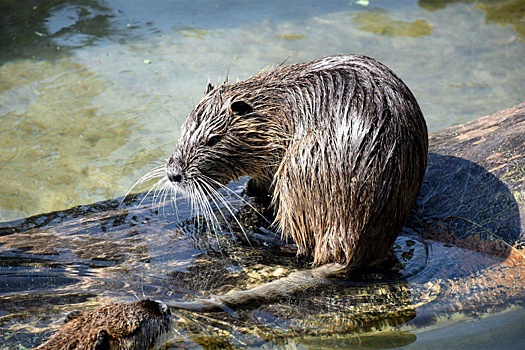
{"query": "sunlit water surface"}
(92, 94)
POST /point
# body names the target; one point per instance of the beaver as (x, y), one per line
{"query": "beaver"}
(338, 144)
(116, 326)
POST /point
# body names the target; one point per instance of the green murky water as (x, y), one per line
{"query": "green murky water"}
(92, 93)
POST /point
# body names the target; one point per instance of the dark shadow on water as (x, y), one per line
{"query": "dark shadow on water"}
(49, 29)
(461, 200)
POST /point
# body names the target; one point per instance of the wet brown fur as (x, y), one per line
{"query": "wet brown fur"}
(339, 144)
(115, 326)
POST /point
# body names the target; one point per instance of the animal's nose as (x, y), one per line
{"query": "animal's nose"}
(173, 170)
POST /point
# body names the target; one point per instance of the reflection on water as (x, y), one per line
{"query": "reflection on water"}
(92, 94)
(49, 29)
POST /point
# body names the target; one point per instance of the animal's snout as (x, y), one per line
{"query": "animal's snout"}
(174, 170)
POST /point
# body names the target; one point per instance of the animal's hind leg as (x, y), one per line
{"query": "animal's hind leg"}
(310, 191)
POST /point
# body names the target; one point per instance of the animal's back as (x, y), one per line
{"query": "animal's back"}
(355, 160)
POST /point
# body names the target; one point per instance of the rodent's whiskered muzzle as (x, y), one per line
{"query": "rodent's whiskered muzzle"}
(174, 170)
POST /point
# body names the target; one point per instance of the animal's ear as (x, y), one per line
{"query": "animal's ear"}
(102, 341)
(241, 107)
(209, 88)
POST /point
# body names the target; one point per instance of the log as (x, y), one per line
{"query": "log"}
(462, 251)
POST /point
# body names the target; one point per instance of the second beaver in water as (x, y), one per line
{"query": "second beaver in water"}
(338, 144)
(138, 325)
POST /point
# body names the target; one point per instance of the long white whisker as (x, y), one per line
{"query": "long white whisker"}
(203, 196)
(211, 218)
(228, 207)
(171, 190)
(154, 173)
(151, 175)
(208, 223)
(163, 192)
(158, 189)
(154, 188)
(201, 202)
(232, 192)
(206, 208)
(218, 199)
(193, 206)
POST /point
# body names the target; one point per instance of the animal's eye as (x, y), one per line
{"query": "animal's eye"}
(241, 108)
(212, 141)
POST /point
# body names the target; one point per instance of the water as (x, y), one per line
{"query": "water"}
(92, 94)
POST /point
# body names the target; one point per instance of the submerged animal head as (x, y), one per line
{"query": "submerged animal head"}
(137, 325)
